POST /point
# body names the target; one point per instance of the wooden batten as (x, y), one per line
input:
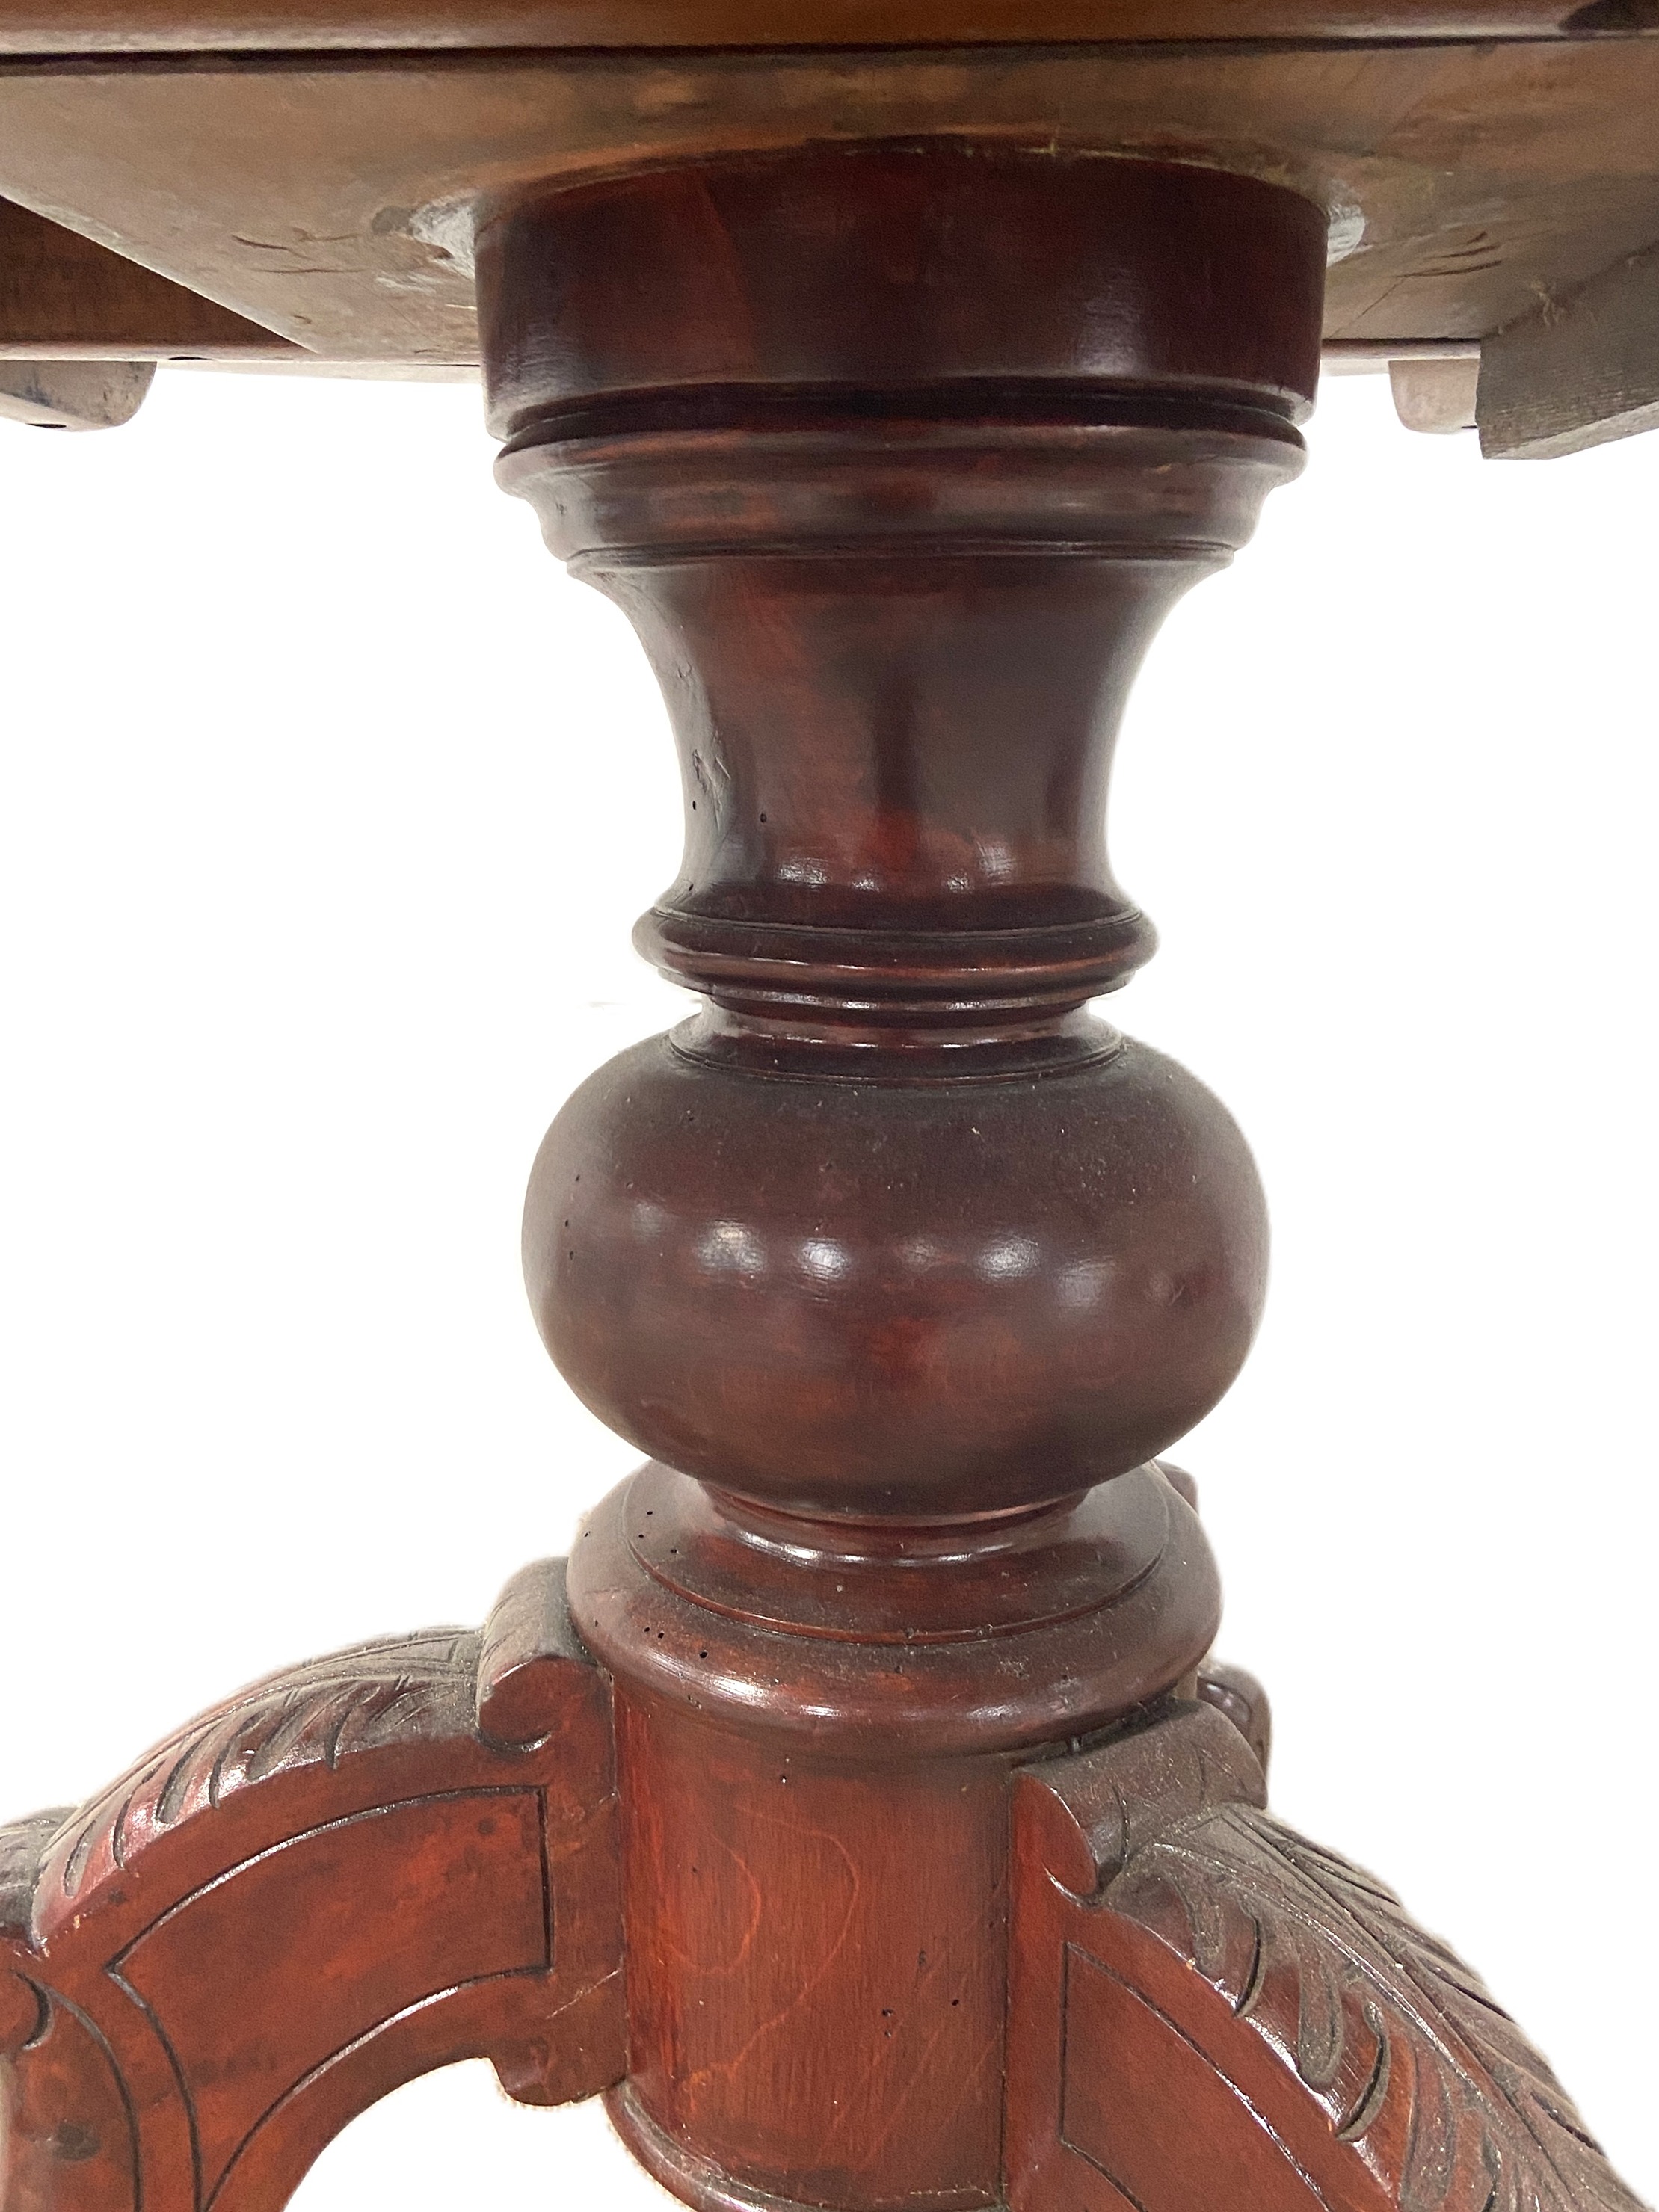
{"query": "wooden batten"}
(1580, 371)
(65, 298)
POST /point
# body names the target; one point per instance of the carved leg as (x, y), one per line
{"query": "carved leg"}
(1198, 1992)
(353, 1872)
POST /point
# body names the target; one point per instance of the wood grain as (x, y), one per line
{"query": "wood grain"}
(327, 198)
(64, 297)
(817, 2008)
(1579, 371)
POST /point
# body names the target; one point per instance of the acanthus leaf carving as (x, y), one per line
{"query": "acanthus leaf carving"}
(408, 1689)
(326, 1884)
(1413, 2063)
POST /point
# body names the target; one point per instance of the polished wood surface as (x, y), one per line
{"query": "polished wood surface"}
(864, 548)
(863, 1814)
(894, 1249)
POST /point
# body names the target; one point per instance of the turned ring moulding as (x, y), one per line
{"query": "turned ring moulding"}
(896, 456)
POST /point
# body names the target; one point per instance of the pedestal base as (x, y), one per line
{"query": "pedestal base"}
(407, 1855)
(694, 2180)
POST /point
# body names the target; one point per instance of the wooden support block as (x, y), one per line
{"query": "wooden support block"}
(1579, 372)
(64, 297)
(73, 395)
(1435, 395)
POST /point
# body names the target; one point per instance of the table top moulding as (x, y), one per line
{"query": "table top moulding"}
(134, 26)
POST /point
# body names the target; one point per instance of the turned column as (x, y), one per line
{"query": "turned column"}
(900, 1263)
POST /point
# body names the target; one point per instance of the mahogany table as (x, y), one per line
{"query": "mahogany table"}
(861, 1809)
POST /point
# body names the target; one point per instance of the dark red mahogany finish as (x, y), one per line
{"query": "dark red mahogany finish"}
(894, 456)
(895, 608)
(903, 1851)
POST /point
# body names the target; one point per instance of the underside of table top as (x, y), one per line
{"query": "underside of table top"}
(302, 177)
(324, 197)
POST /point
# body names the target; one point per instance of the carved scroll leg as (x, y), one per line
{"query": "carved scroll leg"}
(357, 1871)
(1207, 2009)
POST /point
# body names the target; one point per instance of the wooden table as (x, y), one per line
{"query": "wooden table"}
(861, 1809)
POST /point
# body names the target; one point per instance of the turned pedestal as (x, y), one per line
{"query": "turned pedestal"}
(900, 1263)
(862, 1811)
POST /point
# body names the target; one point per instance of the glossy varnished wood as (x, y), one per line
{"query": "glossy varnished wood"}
(900, 1256)
(864, 1814)
(895, 606)
(907, 1260)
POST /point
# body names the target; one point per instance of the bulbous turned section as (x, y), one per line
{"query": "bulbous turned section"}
(932, 1300)
(896, 456)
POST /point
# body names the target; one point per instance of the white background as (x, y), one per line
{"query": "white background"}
(327, 805)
